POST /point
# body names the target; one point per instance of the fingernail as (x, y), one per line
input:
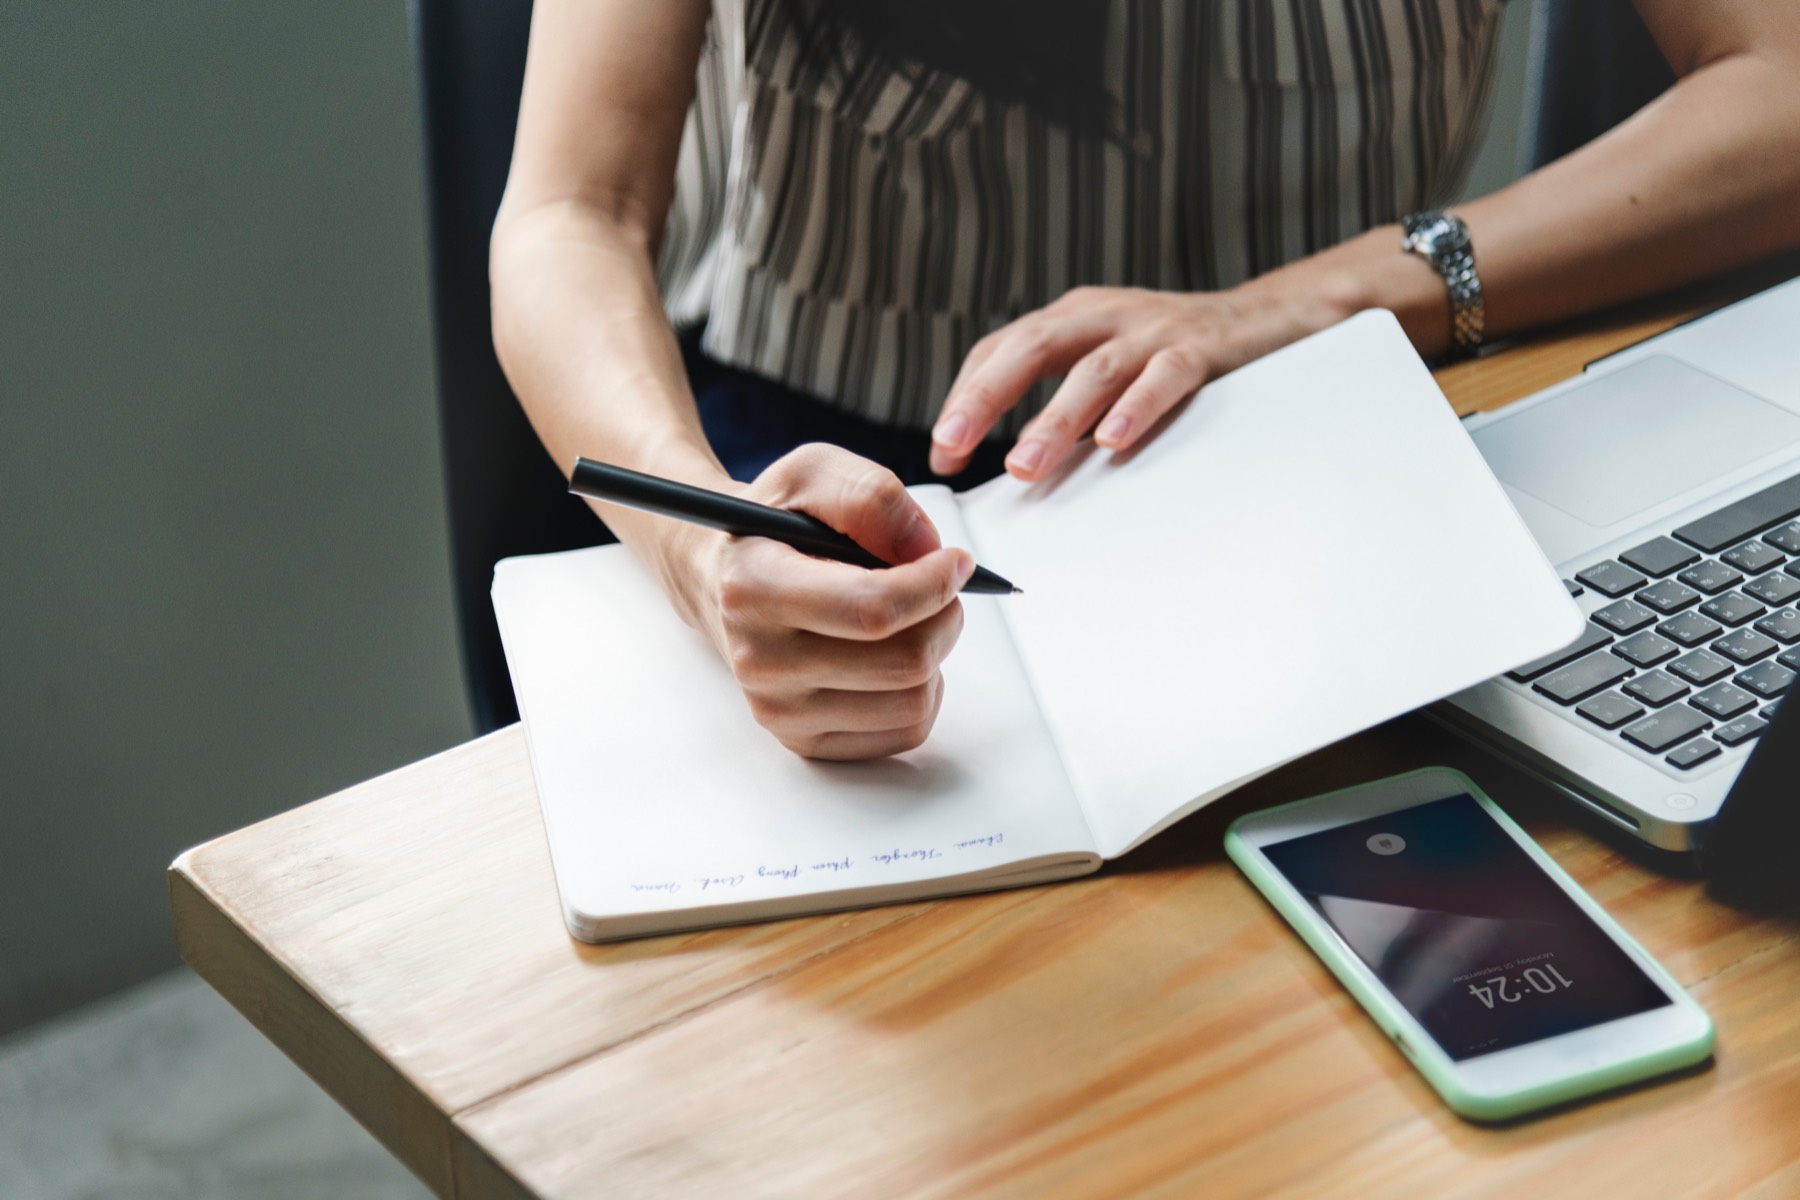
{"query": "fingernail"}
(951, 431)
(1113, 430)
(965, 566)
(1028, 457)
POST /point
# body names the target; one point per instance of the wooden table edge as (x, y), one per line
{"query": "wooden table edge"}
(332, 1053)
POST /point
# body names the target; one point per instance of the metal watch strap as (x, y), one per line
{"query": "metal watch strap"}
(1442, 240)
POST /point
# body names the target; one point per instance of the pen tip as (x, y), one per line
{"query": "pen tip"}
(1018, 591)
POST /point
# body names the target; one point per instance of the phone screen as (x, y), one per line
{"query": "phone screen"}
(1486, 950)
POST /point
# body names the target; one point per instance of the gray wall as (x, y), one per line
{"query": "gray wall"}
(223, 583)
(223, 588)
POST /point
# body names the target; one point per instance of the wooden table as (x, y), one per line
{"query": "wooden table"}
(1152, 1030)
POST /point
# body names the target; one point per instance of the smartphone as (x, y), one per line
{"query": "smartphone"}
(1507, 986)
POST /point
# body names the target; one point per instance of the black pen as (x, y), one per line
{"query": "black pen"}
(741, 518)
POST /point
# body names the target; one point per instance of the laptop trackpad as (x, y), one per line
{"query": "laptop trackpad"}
(1633, 438)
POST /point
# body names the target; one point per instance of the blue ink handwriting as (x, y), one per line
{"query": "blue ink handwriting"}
(893, 856)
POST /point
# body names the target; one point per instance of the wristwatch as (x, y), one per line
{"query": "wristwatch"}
(1442, 240)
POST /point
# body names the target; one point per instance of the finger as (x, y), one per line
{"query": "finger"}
(905, 660)
(774, 585)
(858, 498)
(842, 746)
(1172, 375)
(1032, 348)
(1091, 388)
(815, 714)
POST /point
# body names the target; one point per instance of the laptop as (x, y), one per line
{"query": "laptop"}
(1664, 483)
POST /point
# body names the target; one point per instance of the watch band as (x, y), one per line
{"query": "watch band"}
(1442, 240)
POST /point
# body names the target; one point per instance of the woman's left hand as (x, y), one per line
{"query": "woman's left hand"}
(1126, 357)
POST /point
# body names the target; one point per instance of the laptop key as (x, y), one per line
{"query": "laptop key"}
(1660, 730)
(1785, 538)
(1733, 608)
(1624, 616)
(1753, 558)
(1575, 589)
(1667, 596)
(1646, 649)
(1775, 590)
(1690, 629)
(1658, 557)
(1790, 660)
(1766, 679)
(1694, 753)
(1592, 638)
(1744, 518)
(1768, 710)
(1784, 625)
(1609, 710)
(1610, 578)
(1745, 646)
(1579, 680)
(1700, 667)
(1711, 576)
(1736, 733)
(1691, 754)
(1724, 701)
(1655, 688)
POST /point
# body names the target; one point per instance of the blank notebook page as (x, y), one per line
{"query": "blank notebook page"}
(1312, 547)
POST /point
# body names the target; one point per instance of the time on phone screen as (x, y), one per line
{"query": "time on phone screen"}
(1476, 942)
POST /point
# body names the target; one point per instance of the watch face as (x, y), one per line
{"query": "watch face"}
(1441, 237)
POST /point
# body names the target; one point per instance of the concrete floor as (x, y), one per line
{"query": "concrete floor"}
(163, 1092)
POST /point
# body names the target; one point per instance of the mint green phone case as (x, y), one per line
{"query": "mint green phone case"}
(1437, 1067)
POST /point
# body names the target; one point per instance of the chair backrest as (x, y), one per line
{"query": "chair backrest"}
(1593, 63)
(505, 496)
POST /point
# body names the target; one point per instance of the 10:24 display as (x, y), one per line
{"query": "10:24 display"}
(1497, 985)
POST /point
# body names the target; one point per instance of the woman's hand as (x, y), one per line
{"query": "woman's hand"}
(1127, 356)
(836, 661)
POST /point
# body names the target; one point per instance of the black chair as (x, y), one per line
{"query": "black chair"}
(505, 496)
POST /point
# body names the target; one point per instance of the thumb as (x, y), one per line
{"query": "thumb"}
(858, 498)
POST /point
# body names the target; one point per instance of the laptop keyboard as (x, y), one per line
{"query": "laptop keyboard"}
(1698, 640)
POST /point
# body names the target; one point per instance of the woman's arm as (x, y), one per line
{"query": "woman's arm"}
(1705, 178)
(836, 661)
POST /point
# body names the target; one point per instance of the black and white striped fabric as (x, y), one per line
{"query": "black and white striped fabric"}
(853, 233)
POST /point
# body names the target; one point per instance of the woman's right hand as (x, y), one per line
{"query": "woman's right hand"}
(836, 661)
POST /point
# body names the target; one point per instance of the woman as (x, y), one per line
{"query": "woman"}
(902, 222)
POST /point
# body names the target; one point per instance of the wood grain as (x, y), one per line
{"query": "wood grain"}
(1151, 1030)
(413, 922)
(1154, 1030)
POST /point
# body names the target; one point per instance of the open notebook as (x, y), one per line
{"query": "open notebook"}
(1311, 547)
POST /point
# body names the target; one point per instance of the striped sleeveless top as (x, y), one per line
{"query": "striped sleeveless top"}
(853, 235)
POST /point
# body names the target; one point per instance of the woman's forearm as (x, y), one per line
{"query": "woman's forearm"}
(1705, 178)
(578, 320)
(581, 333)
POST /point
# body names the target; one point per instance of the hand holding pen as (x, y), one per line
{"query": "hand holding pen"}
(837, 661)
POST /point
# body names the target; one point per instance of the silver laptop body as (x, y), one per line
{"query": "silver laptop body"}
(1660, 455)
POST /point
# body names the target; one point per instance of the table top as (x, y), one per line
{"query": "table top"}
(1151, 1030)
